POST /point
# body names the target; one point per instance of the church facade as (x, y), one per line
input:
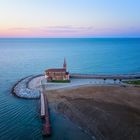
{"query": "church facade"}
(57, 74)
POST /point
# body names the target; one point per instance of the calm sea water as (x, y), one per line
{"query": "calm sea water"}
(21, 57)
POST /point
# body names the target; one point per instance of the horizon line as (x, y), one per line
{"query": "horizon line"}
(66, 37)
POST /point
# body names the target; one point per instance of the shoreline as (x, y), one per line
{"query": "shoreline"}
(90, 106)
(73, 76)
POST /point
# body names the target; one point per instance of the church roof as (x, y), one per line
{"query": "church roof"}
(56, 70)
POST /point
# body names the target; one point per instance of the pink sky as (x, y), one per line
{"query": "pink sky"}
(69, 18)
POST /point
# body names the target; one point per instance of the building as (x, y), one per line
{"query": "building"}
(57, 74)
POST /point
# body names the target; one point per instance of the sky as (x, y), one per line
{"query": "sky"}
(69, 18)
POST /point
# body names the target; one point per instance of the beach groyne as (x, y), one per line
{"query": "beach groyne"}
(42, 105)
(44, 112)
(46, 115)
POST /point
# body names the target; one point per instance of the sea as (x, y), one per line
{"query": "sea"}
(19, 118)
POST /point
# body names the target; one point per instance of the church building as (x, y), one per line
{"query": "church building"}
(57, 74)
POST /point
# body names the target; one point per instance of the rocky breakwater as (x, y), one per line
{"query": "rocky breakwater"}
(21, 89)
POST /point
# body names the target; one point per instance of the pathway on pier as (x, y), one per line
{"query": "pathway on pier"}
(45, 113)
(42, 106)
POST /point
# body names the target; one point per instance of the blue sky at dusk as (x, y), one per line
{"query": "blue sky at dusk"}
(69, 18)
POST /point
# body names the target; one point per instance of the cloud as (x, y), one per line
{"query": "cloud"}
(18, 28)
(74, 31)
(67, 28)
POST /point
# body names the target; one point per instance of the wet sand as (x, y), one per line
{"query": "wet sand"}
(106, 112)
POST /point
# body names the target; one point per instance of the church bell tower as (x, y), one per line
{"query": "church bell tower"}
(65, 64)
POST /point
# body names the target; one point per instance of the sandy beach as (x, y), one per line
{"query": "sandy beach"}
(106, 112)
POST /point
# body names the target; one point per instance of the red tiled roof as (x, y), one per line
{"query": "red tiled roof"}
(56, 70)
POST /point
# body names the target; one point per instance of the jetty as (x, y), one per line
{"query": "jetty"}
(44, 113)
(103, 76)
(42, 106)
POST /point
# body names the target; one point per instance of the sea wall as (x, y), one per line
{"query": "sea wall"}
(20, 89)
